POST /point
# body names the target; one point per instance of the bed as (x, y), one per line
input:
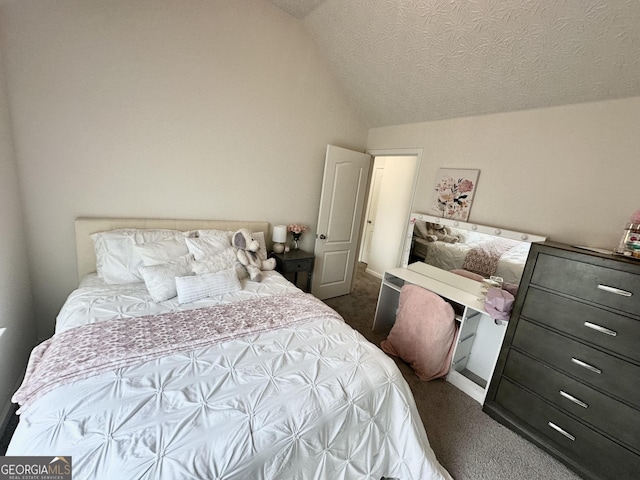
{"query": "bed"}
(260, 382)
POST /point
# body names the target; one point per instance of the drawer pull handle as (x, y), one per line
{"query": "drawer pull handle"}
(573, 399)
(615, 290)
(600, 329)
(562, 431)
(586, 365)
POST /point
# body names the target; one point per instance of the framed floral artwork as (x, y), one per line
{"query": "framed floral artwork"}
(453, 193)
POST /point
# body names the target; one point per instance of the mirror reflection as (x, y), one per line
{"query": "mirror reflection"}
(471, 250)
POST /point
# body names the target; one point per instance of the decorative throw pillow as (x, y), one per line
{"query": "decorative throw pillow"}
(116, 261)
(223, 260)
(157, 253)
(203, 248)
(220, 234)
(214, 233)
(197, 287)
(161, 279)
(420, 229)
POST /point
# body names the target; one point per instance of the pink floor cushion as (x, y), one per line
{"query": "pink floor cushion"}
(424, 332)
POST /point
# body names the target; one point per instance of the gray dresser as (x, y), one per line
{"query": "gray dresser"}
(568, 374)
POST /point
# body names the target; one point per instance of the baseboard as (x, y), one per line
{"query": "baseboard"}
(375, 274)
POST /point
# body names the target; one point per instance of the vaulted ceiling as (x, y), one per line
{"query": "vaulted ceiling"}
(404, 61)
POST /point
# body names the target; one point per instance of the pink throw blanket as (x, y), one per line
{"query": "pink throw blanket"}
(484, 258)
(97, 348)
(424, 332)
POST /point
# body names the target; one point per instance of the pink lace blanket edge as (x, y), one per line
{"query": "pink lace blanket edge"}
(96, 348)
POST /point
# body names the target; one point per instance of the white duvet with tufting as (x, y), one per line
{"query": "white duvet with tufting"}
(300, 396)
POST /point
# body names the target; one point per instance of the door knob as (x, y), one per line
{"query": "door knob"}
(323, 236)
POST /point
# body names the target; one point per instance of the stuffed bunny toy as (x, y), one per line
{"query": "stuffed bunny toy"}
(443, 233)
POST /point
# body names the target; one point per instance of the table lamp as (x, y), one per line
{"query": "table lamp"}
(279, 238)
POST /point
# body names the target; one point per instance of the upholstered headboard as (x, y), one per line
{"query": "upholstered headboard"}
(85, 254)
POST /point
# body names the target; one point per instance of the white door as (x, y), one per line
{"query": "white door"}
(372, 208)
(344, 188)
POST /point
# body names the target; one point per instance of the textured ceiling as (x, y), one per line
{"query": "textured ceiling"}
(404, 61)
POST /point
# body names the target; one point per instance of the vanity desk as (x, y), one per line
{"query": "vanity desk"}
(479, 337)
(480, 249)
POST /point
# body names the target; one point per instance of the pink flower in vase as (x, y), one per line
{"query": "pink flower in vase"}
(296, 230)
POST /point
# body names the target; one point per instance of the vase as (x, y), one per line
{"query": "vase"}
(296, 241)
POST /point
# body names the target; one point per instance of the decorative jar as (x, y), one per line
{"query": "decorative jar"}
(630, 242)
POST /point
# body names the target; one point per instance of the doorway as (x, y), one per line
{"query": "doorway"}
(389, 203)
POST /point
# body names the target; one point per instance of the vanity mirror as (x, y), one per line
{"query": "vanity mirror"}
(467, 249)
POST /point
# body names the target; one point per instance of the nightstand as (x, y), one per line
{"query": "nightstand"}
(295, 261)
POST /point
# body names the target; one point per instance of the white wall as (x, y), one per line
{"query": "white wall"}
(16, 316)
(218, 109)
(570, 173)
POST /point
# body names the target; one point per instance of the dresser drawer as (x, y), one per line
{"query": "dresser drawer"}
(593, 451)
(609, 415)
(612, 375)
(603, 328)
(614, 288)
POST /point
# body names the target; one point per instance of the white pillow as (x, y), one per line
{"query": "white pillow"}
(197, 287)
(161, 279)
(213, 232)
(205, 247)
(420, 229)
(223, 236)
(223, 260)
(157, 253)
(116, 261)
(220, 234)
(262, 253)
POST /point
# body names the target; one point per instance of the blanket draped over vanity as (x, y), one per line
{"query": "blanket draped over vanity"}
(97, 348)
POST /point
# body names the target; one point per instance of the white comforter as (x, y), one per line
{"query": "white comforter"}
(312, 400)
(95, 301)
